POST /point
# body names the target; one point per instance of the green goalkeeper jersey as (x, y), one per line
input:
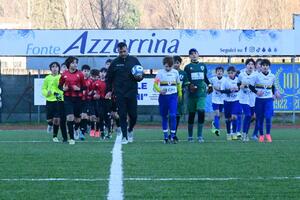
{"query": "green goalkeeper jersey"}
(197, 75)
(51, 85)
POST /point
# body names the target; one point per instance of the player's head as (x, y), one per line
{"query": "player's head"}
(177, 62)
(168, 63)
(86, 70)
(265, 65)
(250, 64)
(231, 71)
(94, 74)
(194, 55)
(54, 68)
(258, 64)
(102, 73)
(219, 71)
(107, 63)
(71, 63)
(63, 67)
(122, 49)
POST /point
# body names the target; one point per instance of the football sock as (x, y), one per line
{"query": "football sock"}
(246, 124)
(217, 121)
(268, 125)
(70, 129)
(238, 123)
(55, 130)
(234, 125)
(228, 124)
(200, 128)
(83, 126)
(190, 130)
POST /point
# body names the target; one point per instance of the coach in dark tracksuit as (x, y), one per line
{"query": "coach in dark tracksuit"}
(124, 85)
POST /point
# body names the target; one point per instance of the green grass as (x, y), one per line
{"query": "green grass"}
(149, 158)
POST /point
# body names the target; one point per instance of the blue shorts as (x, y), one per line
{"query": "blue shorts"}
(231, 108)
(168, 104)
(252, 110)
(218, 107)
(264, 107)
(246, 109)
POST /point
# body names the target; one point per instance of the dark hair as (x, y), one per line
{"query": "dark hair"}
(108, 61)
(265, 62)
(177, 58)
(219, 68)
(122, 45)
(69, 60)
(231, 69)
(94, 72)
(103, 69)
(168, 60)
(193, 50)
(258, 60)
(55, 63)
(85, 67)
(250, 60)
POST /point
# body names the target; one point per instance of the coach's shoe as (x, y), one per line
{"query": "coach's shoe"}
(261, 138)
(228, 137)
(49, 129)
(269, 138)
(130, 136)
(55, 139)
(71, 142)
(124, 141)
(92, 133)
(76, 134)
(200, 139)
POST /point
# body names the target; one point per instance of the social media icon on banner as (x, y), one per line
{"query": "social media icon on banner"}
(258, 49)
(251, 49)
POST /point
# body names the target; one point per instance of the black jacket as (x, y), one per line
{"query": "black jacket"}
(119, 78)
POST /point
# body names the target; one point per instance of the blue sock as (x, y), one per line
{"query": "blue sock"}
(228, 123)
(217, 122)
(246, 124)
(261, 125)
(234, 125)
(166, 135)
(255, 131)
(268, 125)
(238, 123)
(164, 122)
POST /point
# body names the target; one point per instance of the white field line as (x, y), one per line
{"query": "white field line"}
(115, 186)
(150, 179)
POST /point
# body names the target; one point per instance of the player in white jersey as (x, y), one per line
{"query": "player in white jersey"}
(246, 96)
(167, 83)
(217, 99)
(231, 103)
(264, 87)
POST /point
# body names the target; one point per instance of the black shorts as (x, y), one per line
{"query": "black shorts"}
(86, 106)
(93, 108)
(104, 107)
(72, 106)
(55, 109)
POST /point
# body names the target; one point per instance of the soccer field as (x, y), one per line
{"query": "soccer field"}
(33, 167)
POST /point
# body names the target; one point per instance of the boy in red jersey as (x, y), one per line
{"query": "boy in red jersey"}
(72, 83)
(86, 101)
(94, 104)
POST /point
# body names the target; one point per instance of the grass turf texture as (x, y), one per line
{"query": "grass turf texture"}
(148, 157)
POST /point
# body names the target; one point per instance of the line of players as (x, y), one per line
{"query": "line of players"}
(75, 99)
(244, 96)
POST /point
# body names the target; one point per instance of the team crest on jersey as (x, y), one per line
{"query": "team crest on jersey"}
(180, 77)
(169, 83)
(202, 67)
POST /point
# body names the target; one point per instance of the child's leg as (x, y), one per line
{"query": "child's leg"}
(163, 108)
(172, 113)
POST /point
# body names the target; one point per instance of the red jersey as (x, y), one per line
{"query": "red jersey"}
(99, 88)
(88, 89)
(72, 79)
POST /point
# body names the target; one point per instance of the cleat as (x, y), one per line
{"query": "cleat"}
(65, 141)
(200, 140)
(55, 139)
(238, 135)
(97, 134)
(166, 141)
(49, 129)
(71, 142)
(175, 139)
(269, 138)
(228, 137)
(92, 133)
(130, 136)
(254, 138)
(245, 137)
(261, 138)
(124, 141)
(81, 136)
(190, 139)
(234, 136)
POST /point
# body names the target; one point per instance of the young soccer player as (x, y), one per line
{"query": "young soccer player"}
(217, 99)
(184, 82)
(86, 101)
(54, 100)
(72, 83)
(246, 99)
(94, 104)
(197, 76)
(231, 103)
(264, 88)
(167, 83)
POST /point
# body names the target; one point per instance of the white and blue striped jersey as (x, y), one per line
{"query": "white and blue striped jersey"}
(230, 84)
(264, 83)
(167, 80)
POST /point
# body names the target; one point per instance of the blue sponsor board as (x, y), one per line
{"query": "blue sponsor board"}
(287, 82)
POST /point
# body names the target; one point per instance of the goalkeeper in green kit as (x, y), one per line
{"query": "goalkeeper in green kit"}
(197, 90)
